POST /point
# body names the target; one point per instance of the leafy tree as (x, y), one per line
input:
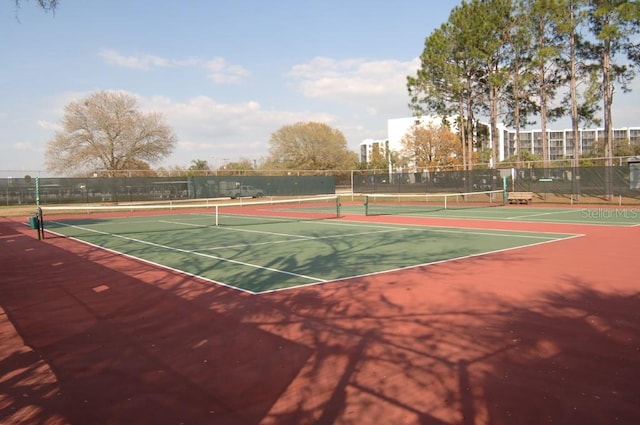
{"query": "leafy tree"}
(106, 131)
(462, 69)
(525, 156)
(310, 146)
(487, 24)
(437, 89)
(432, 146)
(236, 167)
(518, 48)
(379, 159)
(621, 148)
(624, 148)
(443, 85)
(567, 17)
(613, 23)
(515, 56)
(199, 165)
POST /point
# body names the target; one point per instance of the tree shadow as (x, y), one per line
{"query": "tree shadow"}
(575, 360)
(433, 345)
(129, 346)
(562, 357)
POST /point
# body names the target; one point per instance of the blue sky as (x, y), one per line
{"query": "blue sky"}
(225, 74)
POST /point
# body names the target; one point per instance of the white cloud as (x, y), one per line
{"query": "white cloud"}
(373, 84)
(360, 95)
(23, 146)
(207, 128)
(48, 125)
(144, 62)
(218, 69)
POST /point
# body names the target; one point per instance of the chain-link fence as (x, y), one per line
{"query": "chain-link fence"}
(606, 183)
(620, 183)
(144, 189)
(617, 183)
(427, 182)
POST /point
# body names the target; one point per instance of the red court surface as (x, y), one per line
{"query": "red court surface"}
(543, 334)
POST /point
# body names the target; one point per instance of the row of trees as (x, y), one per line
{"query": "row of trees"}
(107, 132)
(300, 146)
(436, 146)
(508, 59)
(512, 60)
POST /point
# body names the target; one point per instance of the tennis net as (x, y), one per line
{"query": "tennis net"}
(255, 212)
(137, 218)
(421, 203)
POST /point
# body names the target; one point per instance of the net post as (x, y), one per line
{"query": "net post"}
(338, 205)
(366, 204)
(38, 213)
(37, 191)
(217, 215)
(505, 195)
(40, 222)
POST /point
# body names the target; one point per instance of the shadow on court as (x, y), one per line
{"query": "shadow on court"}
(568, 358)
(520, 337)
(107, 347)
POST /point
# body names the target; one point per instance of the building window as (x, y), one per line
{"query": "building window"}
(634, 135)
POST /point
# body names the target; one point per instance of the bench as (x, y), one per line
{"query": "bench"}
(520, 197)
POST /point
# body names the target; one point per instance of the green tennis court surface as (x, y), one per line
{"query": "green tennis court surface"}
(606, 215)
(260, 254)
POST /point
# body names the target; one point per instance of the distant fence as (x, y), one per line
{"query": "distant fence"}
(140, 189)
(571, 183)
(621, 182)
(427, 182)
(599, 182)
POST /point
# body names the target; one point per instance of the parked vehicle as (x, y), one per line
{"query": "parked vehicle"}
(235, 190)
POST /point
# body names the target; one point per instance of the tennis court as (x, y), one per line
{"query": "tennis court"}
(490, 205)
(438, 319)
(266, 246)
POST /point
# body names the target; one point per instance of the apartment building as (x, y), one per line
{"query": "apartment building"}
(560, 141)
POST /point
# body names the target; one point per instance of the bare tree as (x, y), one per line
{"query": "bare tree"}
(46, 5)
(106, 131)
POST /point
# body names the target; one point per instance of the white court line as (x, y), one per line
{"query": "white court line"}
(302, 239)
(153, 263)
(539, 214)
(467, 231)
(505, 233)
(186, 251)
(316, 280)
(495, 234)
(239, 230)
(421, 265)
(143, 220)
